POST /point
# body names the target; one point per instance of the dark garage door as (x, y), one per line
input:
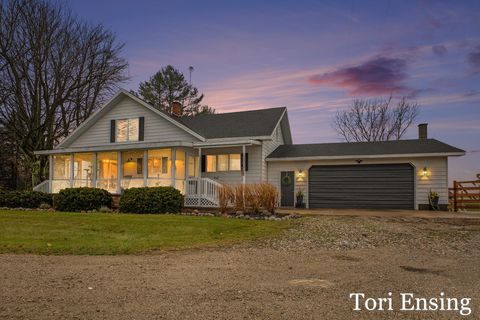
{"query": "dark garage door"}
(383, 186)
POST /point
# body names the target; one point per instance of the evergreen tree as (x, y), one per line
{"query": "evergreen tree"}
(169, 85)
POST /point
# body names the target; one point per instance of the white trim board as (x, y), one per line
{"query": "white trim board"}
(119, 147)
(376, 156)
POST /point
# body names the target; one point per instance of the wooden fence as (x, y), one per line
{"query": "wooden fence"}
(465, 195)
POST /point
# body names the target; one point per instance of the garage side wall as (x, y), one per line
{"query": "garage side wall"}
(436, 179)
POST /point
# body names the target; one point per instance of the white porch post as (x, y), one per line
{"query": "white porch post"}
(119, 172)
(199, 163)
(50, 173)
(174, 158)
(145, 167)
(244, 161)
(244, 169)
(199, 184)
(94, 169)
(72, 168)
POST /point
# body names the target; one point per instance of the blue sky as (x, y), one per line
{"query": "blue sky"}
(314, 57)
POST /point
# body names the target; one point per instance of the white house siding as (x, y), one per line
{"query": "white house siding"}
(157, 129)
(436, 180)
(254, 173)
(268, 146)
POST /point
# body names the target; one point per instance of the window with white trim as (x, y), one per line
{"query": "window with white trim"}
(127, 130)
(211, 163)
(235, 162)
(222, 162)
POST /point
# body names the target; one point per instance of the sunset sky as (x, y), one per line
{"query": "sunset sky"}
(314, 57)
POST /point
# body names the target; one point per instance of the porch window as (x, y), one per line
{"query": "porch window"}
(180, 165)
(83, 170)
(159, 167)
(127, 130)
(235, 162)
(61, 172)
(61, 167)
(211, 163)
(132, 169)
(192, 166)
(222, 164)
(107, 171)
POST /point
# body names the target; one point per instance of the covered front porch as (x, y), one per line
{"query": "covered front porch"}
(117, 170)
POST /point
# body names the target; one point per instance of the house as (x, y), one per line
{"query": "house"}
(129, 143)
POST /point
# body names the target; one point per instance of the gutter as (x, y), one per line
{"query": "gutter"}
(376, 156)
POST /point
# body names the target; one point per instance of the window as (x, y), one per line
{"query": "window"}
(179, 165)
(107, 165)
(132, 162)
(235, 162)
(83, 170)
(159, 164)
(211, 163)
(61, 167)
(127, 130)
(192, 166)
(222, 162)
(107, 171)
(83, 166)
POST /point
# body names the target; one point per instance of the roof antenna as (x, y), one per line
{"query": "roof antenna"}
(190, 70)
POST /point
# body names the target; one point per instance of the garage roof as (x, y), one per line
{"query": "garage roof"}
(380, 148)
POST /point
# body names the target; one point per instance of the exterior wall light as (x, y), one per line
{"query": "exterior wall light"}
(300, 175)
(424, 172)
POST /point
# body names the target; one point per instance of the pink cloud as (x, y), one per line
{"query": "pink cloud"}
(377, 76)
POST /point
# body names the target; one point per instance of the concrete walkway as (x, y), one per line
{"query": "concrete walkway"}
(382, 213)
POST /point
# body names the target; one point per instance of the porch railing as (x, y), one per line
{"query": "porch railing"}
(43, 187)
(202, 192)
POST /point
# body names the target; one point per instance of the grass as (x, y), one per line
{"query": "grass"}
(40, 232)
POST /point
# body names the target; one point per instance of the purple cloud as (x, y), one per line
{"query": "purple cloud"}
(439, 50)
(473, 58)
(377, 76)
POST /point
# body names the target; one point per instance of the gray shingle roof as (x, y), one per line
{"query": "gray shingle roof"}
(363, 148)
(234, 124)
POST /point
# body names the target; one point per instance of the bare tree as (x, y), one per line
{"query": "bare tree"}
(375, 119)
(55, 70)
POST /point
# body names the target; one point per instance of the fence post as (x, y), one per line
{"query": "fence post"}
(455, 189)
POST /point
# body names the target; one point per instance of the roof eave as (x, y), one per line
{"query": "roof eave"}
(117, 147)
(375, 156)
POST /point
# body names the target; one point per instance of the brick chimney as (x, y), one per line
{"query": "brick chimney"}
(423, 131)
(177, 109)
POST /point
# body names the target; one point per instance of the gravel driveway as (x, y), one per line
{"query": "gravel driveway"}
(308, 273)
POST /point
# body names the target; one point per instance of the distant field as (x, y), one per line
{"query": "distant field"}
(110, 234)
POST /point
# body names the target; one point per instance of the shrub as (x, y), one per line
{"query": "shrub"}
(248, 197)
(82, 199)
(268, 197)
(24, 199)
(151, 200)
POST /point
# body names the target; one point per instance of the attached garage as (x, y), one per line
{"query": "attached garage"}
(373, 186)
(372, 175)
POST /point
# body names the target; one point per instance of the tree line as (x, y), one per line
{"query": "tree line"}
(55, 71)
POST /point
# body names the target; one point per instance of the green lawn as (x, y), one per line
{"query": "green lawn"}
(106, 233)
